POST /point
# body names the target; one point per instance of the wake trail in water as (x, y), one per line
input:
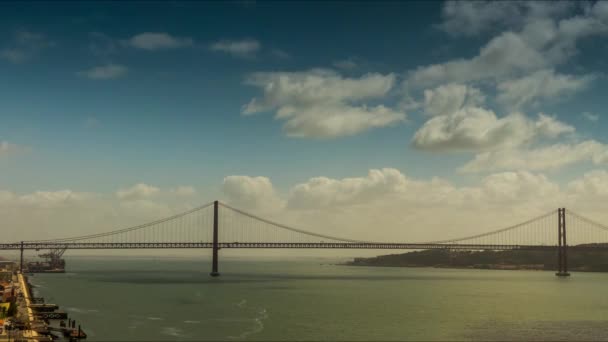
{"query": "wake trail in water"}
(258, 325)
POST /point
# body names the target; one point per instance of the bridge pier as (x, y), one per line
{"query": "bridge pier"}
(562, 246)
(21, 259)
(214, 263)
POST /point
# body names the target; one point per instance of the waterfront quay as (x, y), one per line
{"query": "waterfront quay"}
(24, 317)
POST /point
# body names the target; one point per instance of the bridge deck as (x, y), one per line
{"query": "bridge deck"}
(263, 245)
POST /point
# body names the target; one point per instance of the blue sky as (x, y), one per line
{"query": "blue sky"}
(176, 113)
(101, 96)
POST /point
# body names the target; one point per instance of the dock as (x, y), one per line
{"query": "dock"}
(33, 317)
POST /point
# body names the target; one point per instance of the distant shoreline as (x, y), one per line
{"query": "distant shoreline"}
(455, 267)
(508, 260)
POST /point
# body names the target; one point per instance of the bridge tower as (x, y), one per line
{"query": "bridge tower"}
(214, 262)
(562, 246)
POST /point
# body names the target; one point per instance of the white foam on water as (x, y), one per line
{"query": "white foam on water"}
(82, 311)
(155, 318)
(258, 325)
(241, 303)
(172, 331)
(192, 322)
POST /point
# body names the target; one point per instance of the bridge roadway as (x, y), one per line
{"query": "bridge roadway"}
(264, 245)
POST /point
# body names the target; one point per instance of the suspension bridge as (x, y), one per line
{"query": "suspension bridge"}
(219, 226)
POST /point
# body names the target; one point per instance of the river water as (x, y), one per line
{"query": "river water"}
(166, 299)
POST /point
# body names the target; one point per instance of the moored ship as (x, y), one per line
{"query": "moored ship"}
(52, 263)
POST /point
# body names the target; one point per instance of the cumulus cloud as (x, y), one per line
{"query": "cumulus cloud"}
(469, 18)
(449, 98)
(540, 85)
(542, 43)
(386, 205)
(515, 186)
(158, 41)
(504, 56)
(323, 191)
(25, 45)
(137, 191)
(184, 190)
(593, 183)
(383, 205)
(105, 72)
(251, 193)
(323, 104)
(237, 48)
(53, 198)
(475, 128)
(543, 158)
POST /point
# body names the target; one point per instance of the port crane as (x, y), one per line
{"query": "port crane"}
(52, 261)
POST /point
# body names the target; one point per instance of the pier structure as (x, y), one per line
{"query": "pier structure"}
(29, 334)
(36, 315)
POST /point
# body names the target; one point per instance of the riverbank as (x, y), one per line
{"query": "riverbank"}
(579, 261)
(28, 317)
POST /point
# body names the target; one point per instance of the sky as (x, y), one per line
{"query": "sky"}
(387, 121)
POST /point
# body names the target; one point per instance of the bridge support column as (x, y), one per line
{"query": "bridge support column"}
(562, 246)
(214, 262)
(21, 259)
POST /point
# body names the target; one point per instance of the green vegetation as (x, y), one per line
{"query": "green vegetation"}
(590, 261)
(7, 310)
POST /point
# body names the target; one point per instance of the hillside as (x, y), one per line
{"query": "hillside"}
(589, 261)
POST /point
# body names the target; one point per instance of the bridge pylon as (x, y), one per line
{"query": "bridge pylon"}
(562, 246)
(214, 263)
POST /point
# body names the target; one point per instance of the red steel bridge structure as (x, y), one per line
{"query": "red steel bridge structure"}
(219, 226)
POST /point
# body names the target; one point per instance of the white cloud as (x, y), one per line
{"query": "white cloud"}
(184, 190)
(471, 18)
(73, 213)
(548, 126)
(237, 48)
(251, 193)
(384, 205)
(591, 116)
(145, 209)
(593, 183)
(346, 64)
(323, 104)
(449, 98)
(323, 191)
(540, 85)
(543, 158)
(158, 41)
(503, 56)
(137, 191)
(25, 45)
(541, 43)
(475, 128)
(105, 72)
(53, 198)
(331, 121)
(516, 186)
